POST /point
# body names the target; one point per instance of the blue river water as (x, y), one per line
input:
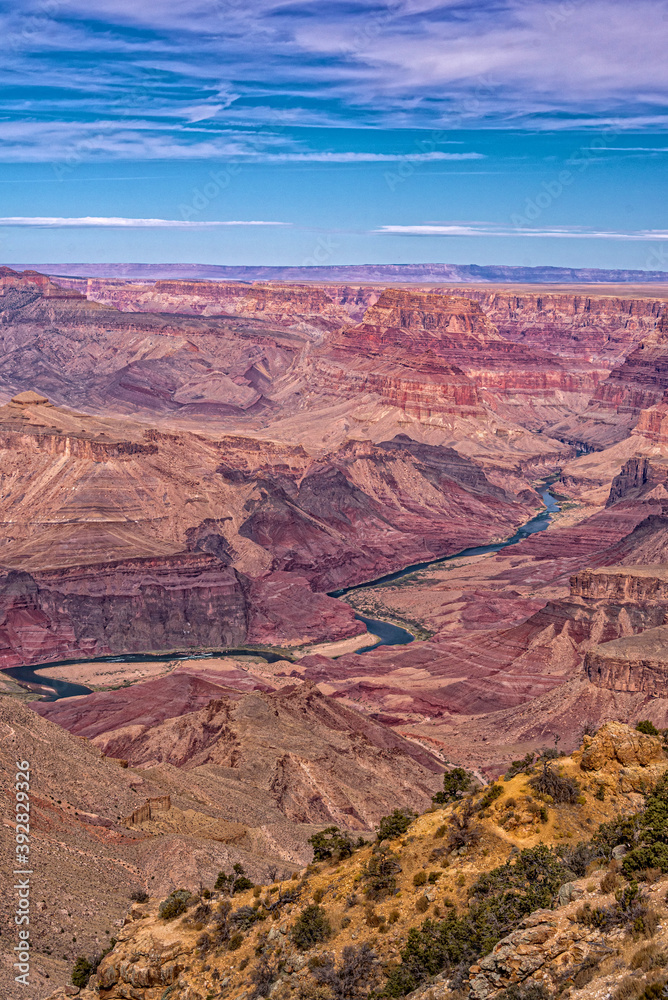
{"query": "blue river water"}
(388, 634)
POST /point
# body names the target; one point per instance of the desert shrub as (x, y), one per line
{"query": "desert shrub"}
(422, 905)
(655, 991)
(553, 782)
(647, 727)
(393, 916)
(455, 783)
(521, 766)
(599, 917)
(586, 972)
(243, 918)
(331, 843)
(310, 990)
(139, 896)
(381, 876)
(492, 793)
(222, 882)
(371, 918)
(420, 878)
(647, 957)
(396, 824)
(175, 904)
(650, 832)
(629, 989)
(600, 792)
(263, 976)
(578, 858)
(629, 911)
(354, 978)
(199, 916)
(433, 877)
(609, 882)
(311, 927)
(236, 882)
(524, 991)
(440, 831)
(235, 942)
(82, 971)
(500, 899)
(463, 832)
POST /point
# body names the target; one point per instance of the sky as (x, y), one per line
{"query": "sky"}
(273, 132)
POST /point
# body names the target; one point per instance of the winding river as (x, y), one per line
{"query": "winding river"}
(388, 634)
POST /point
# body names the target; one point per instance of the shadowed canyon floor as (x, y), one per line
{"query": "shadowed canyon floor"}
(194, 467)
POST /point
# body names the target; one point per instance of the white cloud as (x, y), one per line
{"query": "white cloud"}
(365, 157)
(490, 229)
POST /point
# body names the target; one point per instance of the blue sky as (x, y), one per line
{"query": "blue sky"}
(274, 132)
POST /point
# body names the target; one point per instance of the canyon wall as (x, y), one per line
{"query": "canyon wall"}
(186, 600)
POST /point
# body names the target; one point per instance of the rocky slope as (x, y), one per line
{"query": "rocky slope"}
(244, 782)
(400, 935)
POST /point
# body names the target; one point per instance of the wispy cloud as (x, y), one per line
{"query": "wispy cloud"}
(490, 229)
(228, 64)
(111, 222)
(365, 157)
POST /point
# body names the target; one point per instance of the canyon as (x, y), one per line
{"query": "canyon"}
(239, 472)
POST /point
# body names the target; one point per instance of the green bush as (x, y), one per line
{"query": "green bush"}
(396, 824)
(455, 783)
(648, 728)
(491, 793)
(521, 766)
(331, 843)
(381, 876)
(237, 882)
(649, 830)
(578, 858)
(175, 904)
(500, 899)
(81, 972)
(311, 927)
(243, 918)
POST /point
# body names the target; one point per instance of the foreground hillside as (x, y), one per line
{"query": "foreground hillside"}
(246, 780)
(506, 891)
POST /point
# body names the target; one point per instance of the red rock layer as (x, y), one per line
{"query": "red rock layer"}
(599, 328)
(182, 601)
(449, 339)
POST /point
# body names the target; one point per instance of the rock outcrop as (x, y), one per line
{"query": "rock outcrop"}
(616, 745)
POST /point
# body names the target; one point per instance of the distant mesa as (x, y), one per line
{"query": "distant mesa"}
(28, 398)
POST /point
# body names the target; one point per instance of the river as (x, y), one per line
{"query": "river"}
(388, 634)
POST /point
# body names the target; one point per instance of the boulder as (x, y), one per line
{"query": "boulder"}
(617, 743)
